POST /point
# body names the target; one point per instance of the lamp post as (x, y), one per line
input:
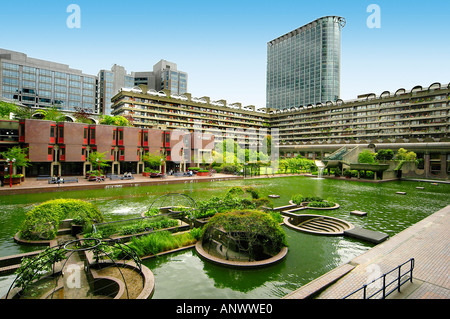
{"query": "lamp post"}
(10, 161)
(162, 166)
(99, 162)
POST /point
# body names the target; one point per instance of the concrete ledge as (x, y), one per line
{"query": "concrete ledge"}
(319, 284)
(368, 235)
(240, 264)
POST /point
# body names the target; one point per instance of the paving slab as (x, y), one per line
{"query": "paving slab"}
(426, 241)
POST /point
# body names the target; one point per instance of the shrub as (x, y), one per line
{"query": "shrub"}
(252, 228)
(322, 204)
(299, 199)
(42, 221)
(197, 233)
(152, 212)
(252, 191)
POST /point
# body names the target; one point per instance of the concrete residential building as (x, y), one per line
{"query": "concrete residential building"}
(165, 110)
(303, 66)
(417, 120)
(40, 84)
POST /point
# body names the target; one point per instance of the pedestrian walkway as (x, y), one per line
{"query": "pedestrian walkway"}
(427, 242)
(34, 185)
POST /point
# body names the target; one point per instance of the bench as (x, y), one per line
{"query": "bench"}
(117, 177)
(70, 180)
(42, 177)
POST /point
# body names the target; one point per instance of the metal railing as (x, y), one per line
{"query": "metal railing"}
(388, 287)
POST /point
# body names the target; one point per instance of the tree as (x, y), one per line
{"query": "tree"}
(6, 109)
(101, 157)
(52, 114)
(19, 154)
(153, 159)
(82, 116)
(385, 155)
(117, 120)
(366, 157)
(404, 155)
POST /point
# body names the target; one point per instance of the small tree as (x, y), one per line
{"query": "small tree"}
(101, 157)
(19, 154)
(404, 155)
(114, 120)
(52, 114)
(154, 160)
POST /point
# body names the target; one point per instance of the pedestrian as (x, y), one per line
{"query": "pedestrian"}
(58, 180)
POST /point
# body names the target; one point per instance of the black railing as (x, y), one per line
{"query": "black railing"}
(387, 287)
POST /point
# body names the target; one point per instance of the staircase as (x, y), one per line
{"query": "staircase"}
(324, 225)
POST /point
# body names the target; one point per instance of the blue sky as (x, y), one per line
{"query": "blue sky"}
(222, 44)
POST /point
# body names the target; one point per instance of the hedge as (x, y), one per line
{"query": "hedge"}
(42, 221)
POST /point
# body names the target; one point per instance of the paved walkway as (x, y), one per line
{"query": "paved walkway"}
(33, 185)
(428, 242)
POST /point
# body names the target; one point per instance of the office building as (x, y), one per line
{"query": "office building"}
(165, 76)
(110, 81)
(41, 84)
(303, 66)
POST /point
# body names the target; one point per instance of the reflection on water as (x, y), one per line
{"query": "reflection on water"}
(185, 275)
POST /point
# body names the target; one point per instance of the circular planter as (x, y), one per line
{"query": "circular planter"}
(240, 264)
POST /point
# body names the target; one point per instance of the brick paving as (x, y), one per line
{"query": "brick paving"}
(427, 242)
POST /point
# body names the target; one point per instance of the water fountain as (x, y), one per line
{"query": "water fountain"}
(320, 172)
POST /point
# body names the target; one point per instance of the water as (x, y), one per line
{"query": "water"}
(320, 172)
(309, 256)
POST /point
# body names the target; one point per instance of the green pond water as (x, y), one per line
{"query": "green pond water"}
(185, 275)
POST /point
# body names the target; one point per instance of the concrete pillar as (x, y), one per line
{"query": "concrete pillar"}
(443, 172)
(426, 164)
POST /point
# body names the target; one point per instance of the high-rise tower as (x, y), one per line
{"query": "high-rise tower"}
(303, 66)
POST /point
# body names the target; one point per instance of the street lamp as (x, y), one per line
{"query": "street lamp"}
(99, 162)
(10, 169)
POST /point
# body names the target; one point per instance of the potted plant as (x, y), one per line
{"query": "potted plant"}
(337, 172)
(146, 172)
(15, 178)
(202, 172)
(348, 173)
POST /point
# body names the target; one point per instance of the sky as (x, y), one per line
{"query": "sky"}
(222, 45)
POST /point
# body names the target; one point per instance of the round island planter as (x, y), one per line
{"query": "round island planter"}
(240, 264)
(242, 238)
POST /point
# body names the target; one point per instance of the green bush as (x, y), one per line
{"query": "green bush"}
(203, 171)
(298, 199)
(322, 204)
(42, 221)
(254, 227)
